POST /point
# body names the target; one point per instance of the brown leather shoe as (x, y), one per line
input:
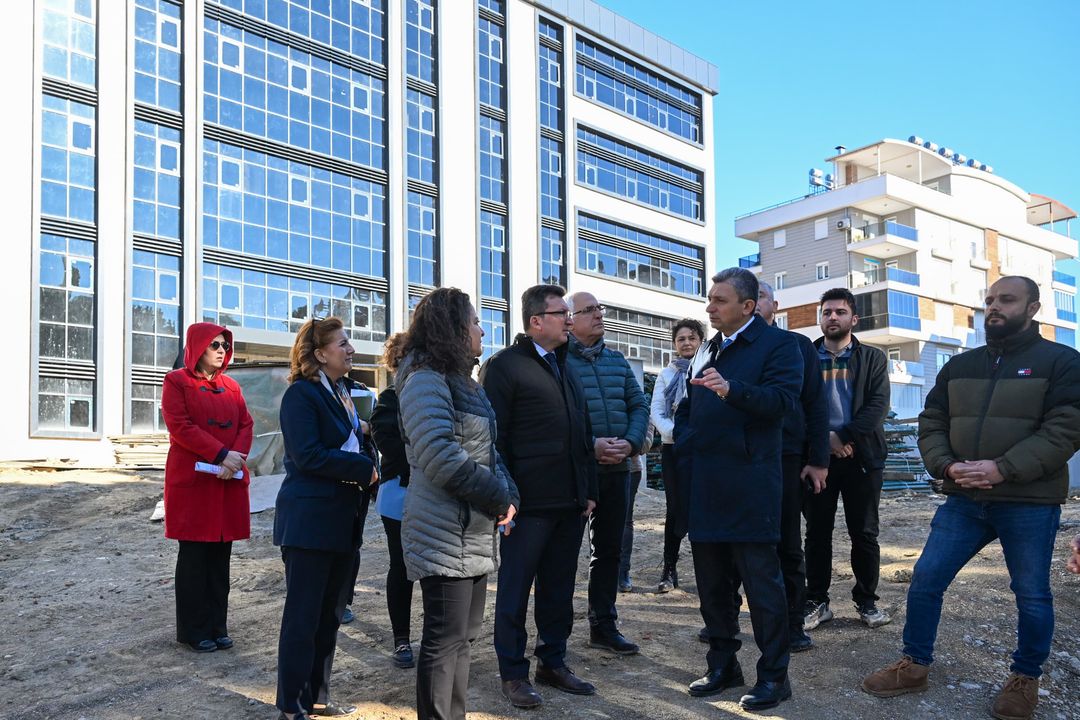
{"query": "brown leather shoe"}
(1017, 700)
(563, 678)
(521, 694)
(902, 677)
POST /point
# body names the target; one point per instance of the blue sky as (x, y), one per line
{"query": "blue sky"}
(993, 79)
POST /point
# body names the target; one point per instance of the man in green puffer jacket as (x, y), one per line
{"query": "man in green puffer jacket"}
(619, 414)
(999, 427)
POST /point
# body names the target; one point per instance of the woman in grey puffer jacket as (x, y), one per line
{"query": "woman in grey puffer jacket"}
(459, 491)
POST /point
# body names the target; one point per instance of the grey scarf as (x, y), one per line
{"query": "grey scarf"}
(590, 353)
(675, 390)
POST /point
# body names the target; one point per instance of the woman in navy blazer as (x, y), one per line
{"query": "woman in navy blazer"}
(319, 517)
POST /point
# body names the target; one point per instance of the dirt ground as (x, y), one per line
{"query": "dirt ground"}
(86, 600)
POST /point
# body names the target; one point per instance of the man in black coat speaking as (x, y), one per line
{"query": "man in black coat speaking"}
(546, 442)
(728, 438)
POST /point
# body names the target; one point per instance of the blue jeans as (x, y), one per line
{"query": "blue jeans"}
(961, 527)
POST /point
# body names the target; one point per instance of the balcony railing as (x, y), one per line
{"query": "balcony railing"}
(862, 278)
(1067, 315)
(750, 261)
(886, 320)
(873, 230)
(1064, 278)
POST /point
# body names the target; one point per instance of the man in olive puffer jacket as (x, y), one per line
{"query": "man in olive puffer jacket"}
(999, 427)
(619, 414)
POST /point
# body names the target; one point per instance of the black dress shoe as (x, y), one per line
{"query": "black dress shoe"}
(224, 642)
(403, 655)
(766, 695)
(718, 680)
(800, 642)
(521, 694)
(613, 641)
(203, 646)
(332, 710)
(563, 678)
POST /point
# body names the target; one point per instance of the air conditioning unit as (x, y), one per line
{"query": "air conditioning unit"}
(843, 224)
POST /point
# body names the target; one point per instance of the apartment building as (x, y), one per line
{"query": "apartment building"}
(256, 163)
(917, 232)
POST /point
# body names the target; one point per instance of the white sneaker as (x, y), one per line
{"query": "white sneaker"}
(872, 616)
(816, 613)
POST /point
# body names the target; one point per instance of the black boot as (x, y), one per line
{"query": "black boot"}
(669, 580)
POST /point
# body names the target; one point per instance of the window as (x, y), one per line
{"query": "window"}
(943, 356)
(230, 55)
(229, 173)
(81, 135)
(822, 271)
(298, 78)
(781, 320)
(169, 32)
(780, 281)
(613, 80)
(821, 228)
(893, 354)
(169, 157)
(299, 191)
(779, 239)
(629, 171)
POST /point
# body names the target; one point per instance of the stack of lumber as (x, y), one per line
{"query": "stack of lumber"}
(141, 451)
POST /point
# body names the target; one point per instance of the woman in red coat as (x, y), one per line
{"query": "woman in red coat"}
(208, 422)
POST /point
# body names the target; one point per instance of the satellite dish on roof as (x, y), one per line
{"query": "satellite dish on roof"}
(973, 163)
(931, 146)
(915, 139)
(945, 152)
(959, 158)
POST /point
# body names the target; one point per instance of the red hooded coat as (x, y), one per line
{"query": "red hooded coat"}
(206, 419)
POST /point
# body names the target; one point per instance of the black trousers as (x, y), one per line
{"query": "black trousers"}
(790, 548)
(399, 588)
(544, 548)
(715, 565)
(605, 540)
(862, 493)
(453, 614)
(202, 590)
(317, 585)
(677, 511)
(628, 529)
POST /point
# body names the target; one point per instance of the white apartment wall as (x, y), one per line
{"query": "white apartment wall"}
(523, 160)
(459, 167)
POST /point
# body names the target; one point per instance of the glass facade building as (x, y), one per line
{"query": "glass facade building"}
(263, 162)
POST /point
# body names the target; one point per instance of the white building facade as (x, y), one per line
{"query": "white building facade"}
(918, 233)
(258, 162)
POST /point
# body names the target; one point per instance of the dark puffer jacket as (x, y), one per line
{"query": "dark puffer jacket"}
(458, 483)
(617, 406)
(1015, 401)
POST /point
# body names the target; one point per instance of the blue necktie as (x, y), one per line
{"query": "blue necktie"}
(550, 357)
(716, 352)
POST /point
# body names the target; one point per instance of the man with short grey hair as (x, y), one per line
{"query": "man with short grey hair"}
(619, 415)
(728, 441)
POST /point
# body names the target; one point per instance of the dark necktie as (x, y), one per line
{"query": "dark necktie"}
(550, 357)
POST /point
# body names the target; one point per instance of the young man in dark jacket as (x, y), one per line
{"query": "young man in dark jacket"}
(999, 428)
(619, 414)
(857, 398)
(545, 440)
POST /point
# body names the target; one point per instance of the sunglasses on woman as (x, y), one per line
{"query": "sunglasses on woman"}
(220, 345)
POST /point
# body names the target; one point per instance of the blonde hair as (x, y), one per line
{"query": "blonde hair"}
(314, 334)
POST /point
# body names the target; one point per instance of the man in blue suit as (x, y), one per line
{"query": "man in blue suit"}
(728, 438)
